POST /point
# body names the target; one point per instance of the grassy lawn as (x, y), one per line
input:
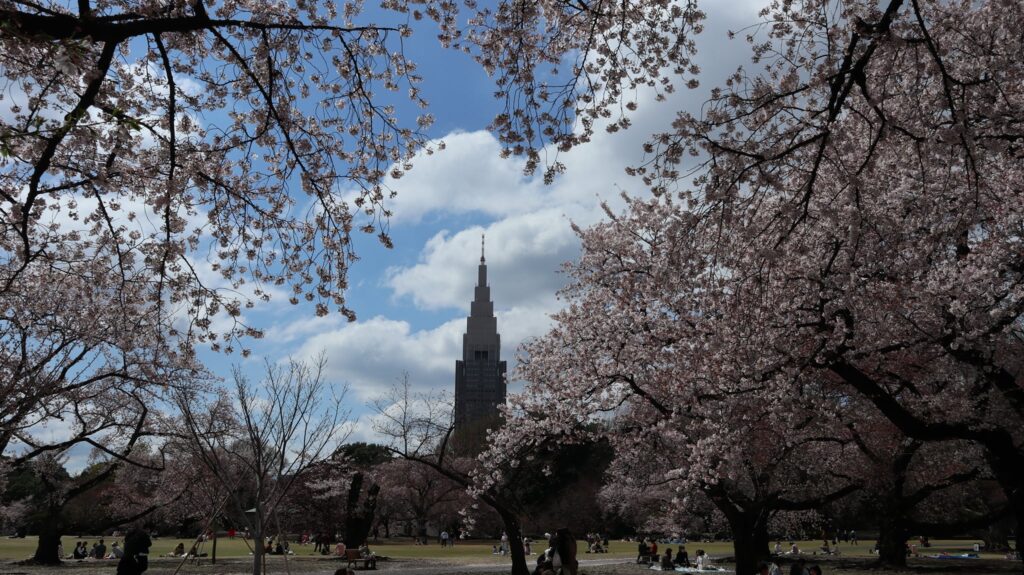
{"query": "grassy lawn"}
(465, 552)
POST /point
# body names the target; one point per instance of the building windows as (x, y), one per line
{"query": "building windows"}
(480, 354)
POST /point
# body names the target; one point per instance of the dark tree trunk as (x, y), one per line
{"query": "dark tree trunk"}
(892, 542)
(997, 536)
(1017, 501)
(750, 540)
(1008, 467)
(47, 547)
(515, 542)
(359, 516)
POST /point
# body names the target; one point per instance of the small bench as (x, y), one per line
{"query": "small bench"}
(354, 557)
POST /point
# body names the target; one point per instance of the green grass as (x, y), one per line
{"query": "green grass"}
(463, 552)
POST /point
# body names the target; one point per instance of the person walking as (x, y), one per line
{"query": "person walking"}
(444, 538)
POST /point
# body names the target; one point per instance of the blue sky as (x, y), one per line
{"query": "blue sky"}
(412, 300)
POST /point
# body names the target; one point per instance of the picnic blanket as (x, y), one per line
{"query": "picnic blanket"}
(957, 556)
(690, 569)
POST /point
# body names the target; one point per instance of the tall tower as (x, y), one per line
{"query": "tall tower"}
(480, 374)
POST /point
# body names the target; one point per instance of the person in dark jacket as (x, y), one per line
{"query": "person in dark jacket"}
(136, 553)
(682, 557)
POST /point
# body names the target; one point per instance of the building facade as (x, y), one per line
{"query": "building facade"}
(480, 374)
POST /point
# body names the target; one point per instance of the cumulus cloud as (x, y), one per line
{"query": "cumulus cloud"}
(444, 277)
(468, 176)
(369, 355)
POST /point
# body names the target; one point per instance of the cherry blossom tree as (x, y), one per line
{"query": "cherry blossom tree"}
(679, 408)
(842, 222)
(914, 487)
(84, 367)
(856, 211)
(108, 493)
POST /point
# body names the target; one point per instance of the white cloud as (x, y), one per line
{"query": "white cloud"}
(467, 176)
(369, 355)
(524, 254)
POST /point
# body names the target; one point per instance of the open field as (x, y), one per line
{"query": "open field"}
(589, 566)
(464, 553)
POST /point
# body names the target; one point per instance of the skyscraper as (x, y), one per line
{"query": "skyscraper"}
(480, 374)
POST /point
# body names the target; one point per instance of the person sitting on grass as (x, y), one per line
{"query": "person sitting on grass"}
(178, 551)
(340, 549)
(666, 560)
(115, 551)
(682, 557)
(80, 551)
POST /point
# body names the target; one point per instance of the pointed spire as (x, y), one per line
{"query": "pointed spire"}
(482, 260)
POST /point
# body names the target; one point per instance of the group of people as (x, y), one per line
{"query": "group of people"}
(279, 548)
(133, 558)
(446, 539)
(98, 551)
(503, 549)
(793, 549)
(596, 543)
(321, 541)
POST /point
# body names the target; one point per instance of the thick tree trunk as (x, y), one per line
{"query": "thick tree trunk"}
(515, 542)
(997, 536)
(750, 540)
(1009, 472)
(359, 516)
(892, 542)
(46, 549)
